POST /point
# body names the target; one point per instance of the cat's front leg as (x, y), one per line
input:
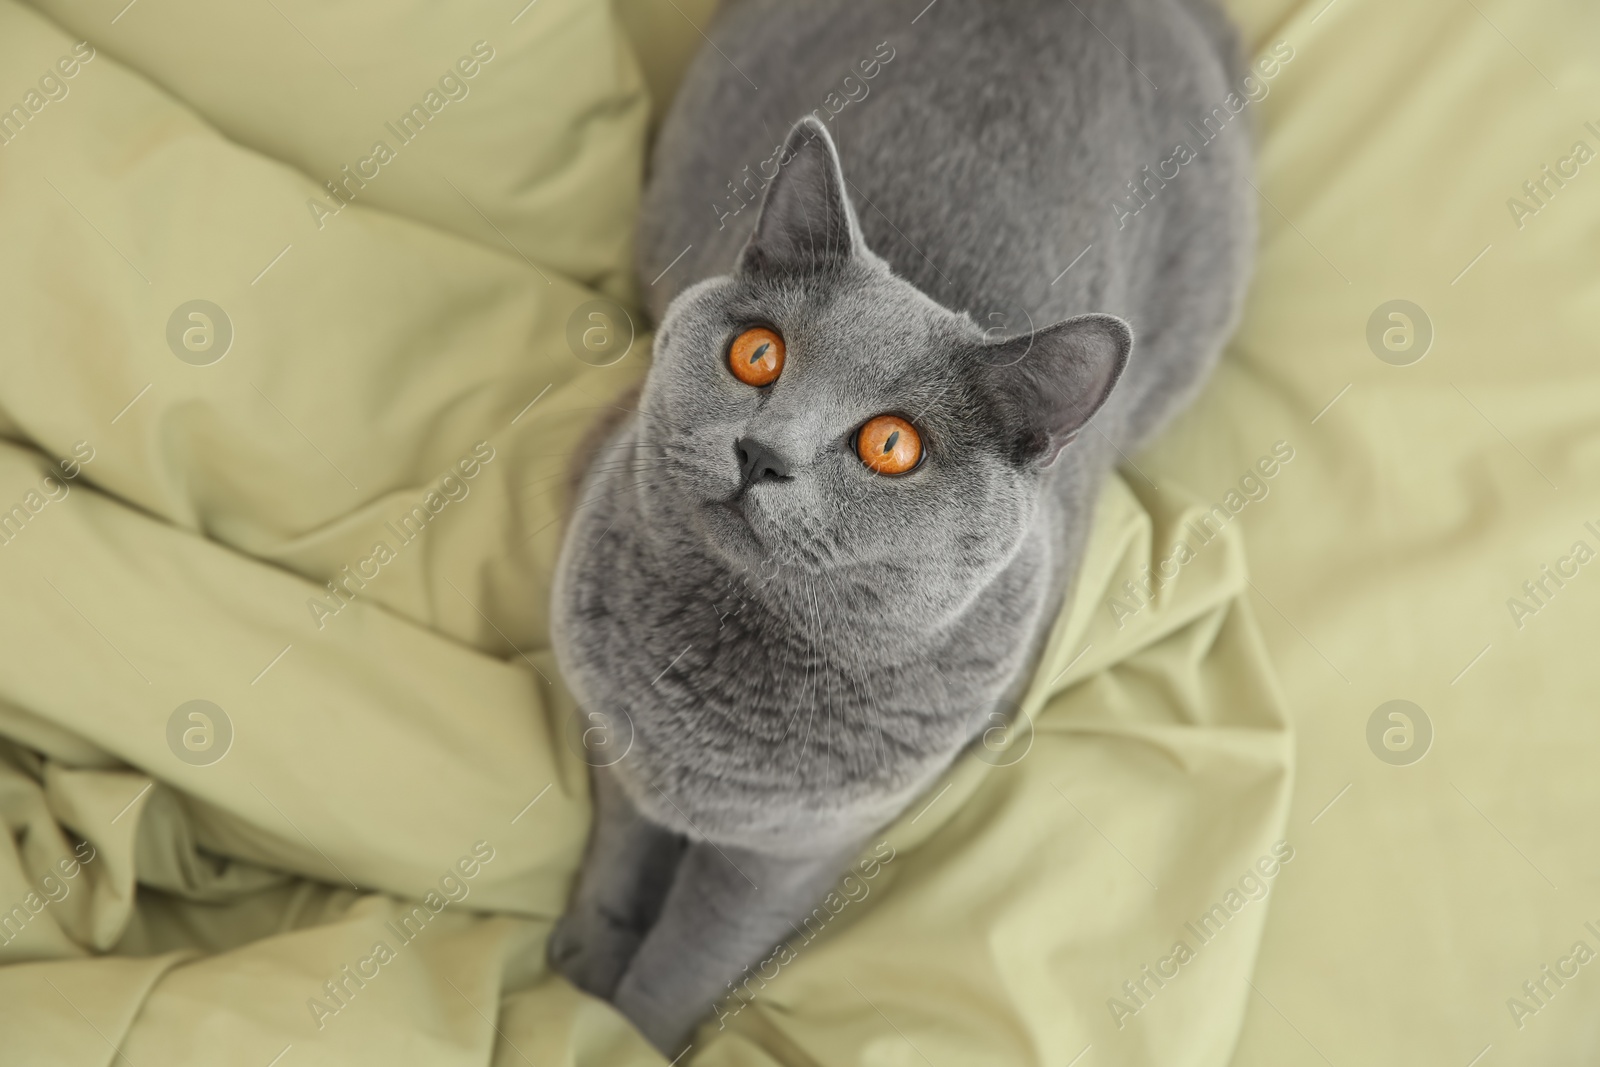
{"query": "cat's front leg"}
(626, 875)
(726, 910)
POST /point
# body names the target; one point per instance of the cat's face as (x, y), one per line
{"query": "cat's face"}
(814, 411)
(857, 345)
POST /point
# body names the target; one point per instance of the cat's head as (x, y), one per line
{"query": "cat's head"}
(814, 411)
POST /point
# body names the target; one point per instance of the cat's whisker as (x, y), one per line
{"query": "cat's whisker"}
(596, 498)
(630, 465)
(599, 468)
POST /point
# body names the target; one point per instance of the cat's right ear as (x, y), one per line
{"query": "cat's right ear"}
(806, 222)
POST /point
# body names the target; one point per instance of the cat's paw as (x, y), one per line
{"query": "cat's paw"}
(592, 950)
(658, 1011)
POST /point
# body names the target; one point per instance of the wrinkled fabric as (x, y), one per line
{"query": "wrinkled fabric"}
(1096, 877)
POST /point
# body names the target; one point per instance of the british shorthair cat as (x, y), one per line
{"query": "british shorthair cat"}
(900, 343)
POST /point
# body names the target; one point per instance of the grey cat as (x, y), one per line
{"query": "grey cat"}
(831, 539)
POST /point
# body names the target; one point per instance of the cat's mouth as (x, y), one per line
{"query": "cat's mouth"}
(727, 525)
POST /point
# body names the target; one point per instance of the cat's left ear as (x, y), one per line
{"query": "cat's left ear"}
(806, 222)
(1044, 387)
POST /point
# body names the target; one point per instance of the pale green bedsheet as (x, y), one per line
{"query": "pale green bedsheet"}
(426, 326)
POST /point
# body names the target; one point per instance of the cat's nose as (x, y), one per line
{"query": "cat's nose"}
(757, 462)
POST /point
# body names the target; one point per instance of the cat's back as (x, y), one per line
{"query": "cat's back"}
(987, 145)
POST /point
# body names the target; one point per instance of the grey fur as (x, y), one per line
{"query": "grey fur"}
(799, 658)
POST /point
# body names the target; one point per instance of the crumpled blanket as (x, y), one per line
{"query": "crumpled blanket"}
(298, 309)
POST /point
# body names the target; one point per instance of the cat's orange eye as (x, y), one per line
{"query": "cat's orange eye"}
(889, 444)
(756, 357)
